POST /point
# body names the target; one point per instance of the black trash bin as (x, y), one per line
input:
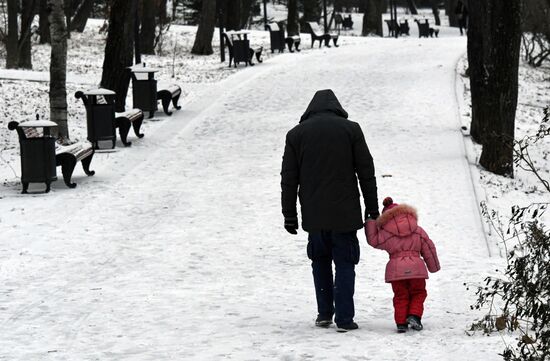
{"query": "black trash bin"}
(144, 88)
(100, 116)
(37, 152)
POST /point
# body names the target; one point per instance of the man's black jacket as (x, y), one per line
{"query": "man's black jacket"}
(324, 155)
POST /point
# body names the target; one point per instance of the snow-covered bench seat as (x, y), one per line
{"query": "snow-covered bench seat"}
(318, 34)
(169, 93)
(123, 120)
(66, 155)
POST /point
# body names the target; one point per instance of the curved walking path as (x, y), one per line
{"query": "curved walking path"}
(176, 250)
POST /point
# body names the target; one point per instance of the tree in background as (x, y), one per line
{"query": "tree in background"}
(233, 15)
(293, 26)
(119, 50)
(148, 11)
(536, 31)
(81, 16)
(205, 31)
(18, 42)
(372, 18)
(493, 53)
(58, 67)
(43, 22)
(312, 12)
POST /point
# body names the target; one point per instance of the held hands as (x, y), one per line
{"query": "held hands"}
(372, 215)
(291, 225)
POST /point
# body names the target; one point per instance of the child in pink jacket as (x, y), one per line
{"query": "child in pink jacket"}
(397, 232)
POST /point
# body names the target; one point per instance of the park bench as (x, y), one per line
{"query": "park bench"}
(404, 27)
(123, 120)
(425, 30)
(393, 27)
(67, 155)
(347, 23)
(169, 93)
(320, 35)
(278, 39)
(240, 50)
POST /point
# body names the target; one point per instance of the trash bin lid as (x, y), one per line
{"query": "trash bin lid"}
(38, 123)
(98, 91)
(140, 68)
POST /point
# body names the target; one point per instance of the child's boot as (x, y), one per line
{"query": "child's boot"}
(402, 327)
(414, 322)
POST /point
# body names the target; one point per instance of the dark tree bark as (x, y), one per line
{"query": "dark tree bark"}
(501, 67)
(43, 22)
(205, 31)
(148, 25)
(338, 6)
(477, 46)
(68, 7)
(119, 49)
(78, 23)
(372, 19)
(412, 7)
(12, 41)
(246, 11)
(58, 67)
(28, 9)
(450, 6)
(233, 15)
(312, 10)
(435, 11)
(292, 26)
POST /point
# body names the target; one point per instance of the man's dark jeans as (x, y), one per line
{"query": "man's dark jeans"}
(334, 297)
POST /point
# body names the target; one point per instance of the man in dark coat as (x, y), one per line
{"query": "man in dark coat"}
(324, 156)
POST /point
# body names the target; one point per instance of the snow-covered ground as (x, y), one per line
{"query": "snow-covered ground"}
(175, 248)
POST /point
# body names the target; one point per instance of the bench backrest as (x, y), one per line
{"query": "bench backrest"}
(273, 27)
(315, 29)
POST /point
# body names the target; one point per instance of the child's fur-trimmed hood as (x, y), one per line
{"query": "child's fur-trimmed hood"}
(399, 225)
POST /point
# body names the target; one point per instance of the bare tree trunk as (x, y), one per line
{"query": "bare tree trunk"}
(372, 19)
(477, 47)
(28, 8)
(205, 32)
(148, 25)
(246, 11)
(58, 67)
(82, 15)
(43, 23)
(435, 11)
(119, 49)
(68, 7)
(412, 7)
(501, 66)
(12, 53)
(312, 10)
(292, 27)
(233, 15)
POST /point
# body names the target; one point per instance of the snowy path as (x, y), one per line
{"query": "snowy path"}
(175, 249)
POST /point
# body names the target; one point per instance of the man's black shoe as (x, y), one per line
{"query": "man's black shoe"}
(347, 327)
(323, 321)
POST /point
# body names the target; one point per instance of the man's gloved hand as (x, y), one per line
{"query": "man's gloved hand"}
(291, 225)
(372, 214)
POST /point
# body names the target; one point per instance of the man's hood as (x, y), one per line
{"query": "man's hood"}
(323, 101)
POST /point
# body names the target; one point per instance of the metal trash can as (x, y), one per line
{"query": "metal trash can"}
(144, 88)
(100, 116)
(38, 161)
